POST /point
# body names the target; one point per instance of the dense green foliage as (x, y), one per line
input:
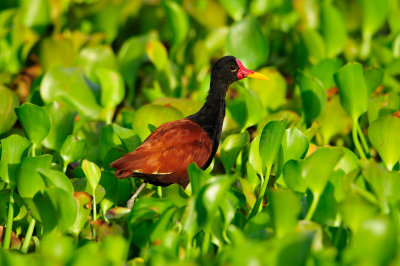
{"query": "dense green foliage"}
(308, 167)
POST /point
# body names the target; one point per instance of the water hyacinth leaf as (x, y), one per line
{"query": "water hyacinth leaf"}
(270, 141)
(352, 89)
(196, 176)
(255, 157)
(231, 148)
(318, 167)
(12, 150)
(29, 181)
(157, 54)
(155, 115)
(8, 102)
(69, 85)
(162, 225)
(36, 15)
(65, 206)
(285, 218)
(211, 195)
(239, 36)
(374, 16)
(185, 106)
(179, 23)
(62, 124)
(287, 253)
(57, 179)
(313, 95)
(83, 201)
(373, 78)
(334, 120)
(73, 149)
(333, 29)
(238, 110)
(314, 44)
(93, 58)
(112, 87)
(292, 175)
(381, 105)
(294, 144)
(35, 121)
(272, 93)
(236, 8)
(131, 55)
(255, 110)
(384, 136)
(373, 243)
(56, 51)
(129, 139)
(92, 173)
(349, 161)
(324, 71)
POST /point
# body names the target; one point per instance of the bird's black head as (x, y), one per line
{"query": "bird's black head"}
(229, 69)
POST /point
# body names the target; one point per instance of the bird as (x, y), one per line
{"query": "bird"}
(163, 157)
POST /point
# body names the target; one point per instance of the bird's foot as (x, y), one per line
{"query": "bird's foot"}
(131, 201)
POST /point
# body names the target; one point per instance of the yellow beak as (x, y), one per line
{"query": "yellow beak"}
(256, 75)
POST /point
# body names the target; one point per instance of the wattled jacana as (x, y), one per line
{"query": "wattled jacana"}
(162, 159)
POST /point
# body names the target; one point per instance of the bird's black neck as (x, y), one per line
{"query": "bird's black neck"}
(210, 117)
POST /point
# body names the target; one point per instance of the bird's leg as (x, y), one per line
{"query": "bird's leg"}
(134, 196)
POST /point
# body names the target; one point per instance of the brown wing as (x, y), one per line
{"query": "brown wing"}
(164, 156)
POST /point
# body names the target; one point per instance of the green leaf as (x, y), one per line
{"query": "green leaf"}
(384, 136)
(128, 137)
(318, 167)
(352, 89)
(324, 71)
(36, 14)
(155, 115)
(12, 150)
(56, 51)
(285, 218)
(231, 148)
(292, 175)
(294, 144)
(333, 29)
(235, 8)
(178, 21)
(247, 33)
(255, 157)
(62, 124)
(131, 55)
(69, 85)
(374, 243)
(93, 58)
(374, 16)
(271, 93)
(8, 102)
(314, 44)
(210, 197)
(65, 206)
(29, 182)
(73, 149)
(57, 179)
(255, 108)
(313, 96)
(271, 140)
(82, 199)
(92, 173)
(382, 105)
(112, 87)
(35, 121)
(373, 78)
(157, 54)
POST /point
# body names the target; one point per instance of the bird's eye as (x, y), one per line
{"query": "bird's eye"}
(233, 68)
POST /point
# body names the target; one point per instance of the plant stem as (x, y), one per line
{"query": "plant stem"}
(363, 140)
(206, 242)
(258, 205)
(28, 236)
(313, 207)
(65, 166)
(94, 214)
(10, 218)
(356, 141)
(33, 150)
